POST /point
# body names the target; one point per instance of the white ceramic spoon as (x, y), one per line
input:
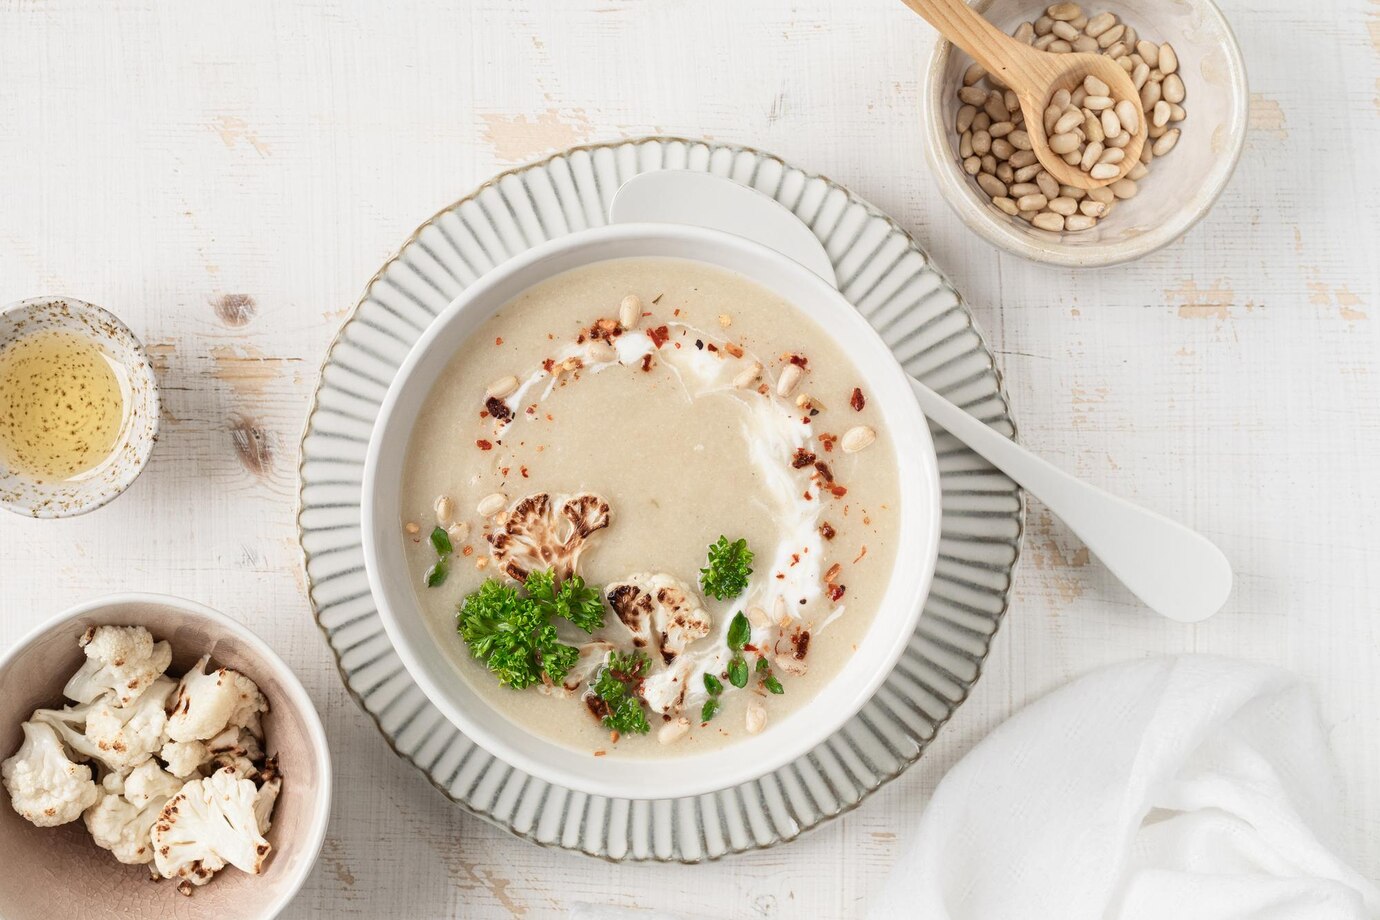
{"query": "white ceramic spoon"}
(1176, 571)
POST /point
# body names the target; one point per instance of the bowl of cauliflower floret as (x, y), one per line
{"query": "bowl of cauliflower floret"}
(158, 760)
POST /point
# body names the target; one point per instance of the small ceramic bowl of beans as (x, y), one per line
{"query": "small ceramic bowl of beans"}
(1187, 69)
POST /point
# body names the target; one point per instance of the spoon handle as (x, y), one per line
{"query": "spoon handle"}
(997, 52)
(1174, 570)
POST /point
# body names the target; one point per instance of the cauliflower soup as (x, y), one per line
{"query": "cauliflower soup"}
(649, 508)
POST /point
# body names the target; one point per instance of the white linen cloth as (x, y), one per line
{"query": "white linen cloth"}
(1189, 788)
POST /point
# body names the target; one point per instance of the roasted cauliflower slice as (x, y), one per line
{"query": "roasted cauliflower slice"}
(209, 824)
(547, 532)
(122, 659)
(45, 787)
(659, 611)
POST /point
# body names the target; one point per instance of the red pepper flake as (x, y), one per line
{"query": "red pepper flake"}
(548, 364)
(504, 470)
(712, 347)
(580, 339)
(801, 643)
(550, 417)
(467, 551)
(858, 558)
(857, 400)
(676, 312)
(659, 335)
(677, 344)
(532, 409)
(795, 559)
(523, 470)
(836, 592)
(498, 341)
(827, 531)
(483, 413)
(600, 753)
(824, 470)
(799, 361)
(483, 444)
(828, 441)
(781, 576)
(802, 459)
(734, 350)
(807, 496)
(837, 490)
(646, 362)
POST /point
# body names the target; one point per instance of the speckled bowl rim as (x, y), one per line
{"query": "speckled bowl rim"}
(953, 182)
(142, 446)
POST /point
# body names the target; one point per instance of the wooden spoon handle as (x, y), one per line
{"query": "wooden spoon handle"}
(997, 52)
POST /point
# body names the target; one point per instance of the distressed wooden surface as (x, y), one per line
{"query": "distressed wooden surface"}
(227, 184)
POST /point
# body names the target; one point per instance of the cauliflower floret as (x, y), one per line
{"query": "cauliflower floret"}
(184, 757)
(124, 828)
(148, 783)
(237, 749)
(45, 787)
(123, 659)
(665, 689)
(210, 823)
(205, 702)
(127, 736)
(659, 608)
(250, 704)
(268, 795)
(547, 532)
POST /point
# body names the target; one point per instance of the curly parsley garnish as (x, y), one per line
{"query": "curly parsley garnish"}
(729, 566)
(613, 684)
(512, 633)
(573, 600)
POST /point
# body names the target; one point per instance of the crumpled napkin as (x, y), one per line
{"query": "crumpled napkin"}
(1189, 788)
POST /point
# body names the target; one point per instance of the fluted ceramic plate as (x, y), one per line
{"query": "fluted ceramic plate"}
(919, 314)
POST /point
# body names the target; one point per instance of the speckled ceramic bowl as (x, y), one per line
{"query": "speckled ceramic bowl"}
(1177, 192)
(24, 495)
(59, 872)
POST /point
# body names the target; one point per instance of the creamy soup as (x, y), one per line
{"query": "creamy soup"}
(607, 427)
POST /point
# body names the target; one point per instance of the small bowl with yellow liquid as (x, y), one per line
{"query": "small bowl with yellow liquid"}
(78, 407)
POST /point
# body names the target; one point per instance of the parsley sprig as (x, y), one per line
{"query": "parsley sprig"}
(730, 565)
(614, 684)
(513, 634)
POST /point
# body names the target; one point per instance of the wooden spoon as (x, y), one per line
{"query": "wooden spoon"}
(1035, 76)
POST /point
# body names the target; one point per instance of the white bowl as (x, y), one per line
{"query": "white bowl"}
(391, 579)
(1179, 189)
(92, 882)
(22, 494)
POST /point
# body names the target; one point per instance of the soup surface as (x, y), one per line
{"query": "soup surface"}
(560, 439)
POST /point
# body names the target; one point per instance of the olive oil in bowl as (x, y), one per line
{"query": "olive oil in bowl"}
(62, 405)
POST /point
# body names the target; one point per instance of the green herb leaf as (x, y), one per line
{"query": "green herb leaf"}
(762, 665)
(772, 684)
(611, 684)
(739, 632)
(512, 635)
(738, 672)
(573, 600)
(440, 541)
(711, 706)
(712, 684)
(729, 566)
(436, 575)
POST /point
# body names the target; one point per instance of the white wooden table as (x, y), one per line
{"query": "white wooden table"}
(227, 184)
